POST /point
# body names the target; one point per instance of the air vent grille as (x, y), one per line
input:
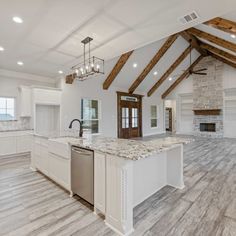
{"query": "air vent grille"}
(189, 18)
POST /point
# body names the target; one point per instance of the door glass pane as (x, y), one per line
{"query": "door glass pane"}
(125, 117)
(125, 112)
(134, 117)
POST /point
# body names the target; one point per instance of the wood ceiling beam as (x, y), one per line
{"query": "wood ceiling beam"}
(169, 71)
(153, 62)
(219, 52)
(185, 75)
(116, 69)
(70, 78)
(223, 60)
(223, 24)
(194, 41)
(213, 39)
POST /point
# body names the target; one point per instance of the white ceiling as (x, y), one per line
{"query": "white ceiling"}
(49, 39)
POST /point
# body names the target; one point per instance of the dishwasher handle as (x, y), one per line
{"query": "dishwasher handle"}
(81, 151)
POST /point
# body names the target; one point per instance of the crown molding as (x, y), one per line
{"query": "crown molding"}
(26, 76)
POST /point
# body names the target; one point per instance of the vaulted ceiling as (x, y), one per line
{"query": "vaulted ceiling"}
(49, 38)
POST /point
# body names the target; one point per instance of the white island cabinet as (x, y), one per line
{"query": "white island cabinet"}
(122, 183)
(126, 172)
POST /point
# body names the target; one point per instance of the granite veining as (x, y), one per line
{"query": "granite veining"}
(126, 148)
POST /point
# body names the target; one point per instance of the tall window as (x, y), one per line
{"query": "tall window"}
(7, 108)
(153, 116)
(90, 115)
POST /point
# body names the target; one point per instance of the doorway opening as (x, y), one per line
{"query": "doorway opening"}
(170, 116)
(129, 112)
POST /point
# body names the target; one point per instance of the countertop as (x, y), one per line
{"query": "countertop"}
(126, 148)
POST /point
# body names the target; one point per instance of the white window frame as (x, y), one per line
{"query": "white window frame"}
(14, 98)
(99, 113)
(152, 118)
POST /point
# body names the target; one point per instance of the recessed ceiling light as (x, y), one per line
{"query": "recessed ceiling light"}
(2, 49)
(20, 63)
(17, 19)
(155, 73)
(135, 65)
(60, 72)
(170, 78)
(233, 36)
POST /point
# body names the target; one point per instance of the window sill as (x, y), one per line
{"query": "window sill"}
(7, 120)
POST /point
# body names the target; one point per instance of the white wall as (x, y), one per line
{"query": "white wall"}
(92, 88)
(9, 86)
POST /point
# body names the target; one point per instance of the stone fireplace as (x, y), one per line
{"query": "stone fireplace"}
(208, 99)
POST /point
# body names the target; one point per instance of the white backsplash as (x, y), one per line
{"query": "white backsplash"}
(21, 124)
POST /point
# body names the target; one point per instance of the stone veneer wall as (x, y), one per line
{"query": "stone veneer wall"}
(208, 94)
(21, 124)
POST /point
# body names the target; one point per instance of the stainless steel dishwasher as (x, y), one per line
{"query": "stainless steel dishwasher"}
(82, 173)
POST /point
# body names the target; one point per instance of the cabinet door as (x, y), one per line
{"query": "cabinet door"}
(25, 102)
(100, 182)
(43, 162)
(7, 145)
(40, 155)
(59, 170)
(23, 143)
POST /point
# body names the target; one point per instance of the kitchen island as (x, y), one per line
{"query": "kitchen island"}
(126, 172)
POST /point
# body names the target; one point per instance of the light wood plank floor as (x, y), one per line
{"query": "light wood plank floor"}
(30, 204)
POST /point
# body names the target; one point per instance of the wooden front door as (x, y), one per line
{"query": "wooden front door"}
(129, 115)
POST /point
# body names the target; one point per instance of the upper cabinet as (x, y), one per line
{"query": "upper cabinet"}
(46, 96)
(25, 101)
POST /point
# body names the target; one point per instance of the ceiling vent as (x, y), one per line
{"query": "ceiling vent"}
(189, 18)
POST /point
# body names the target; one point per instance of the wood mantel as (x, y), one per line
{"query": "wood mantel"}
(207, 112)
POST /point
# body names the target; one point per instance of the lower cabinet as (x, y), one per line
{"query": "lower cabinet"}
(59, 170)
(24, 143)
(14, 143)
(100, 181)
(8, 145)
(54, 166)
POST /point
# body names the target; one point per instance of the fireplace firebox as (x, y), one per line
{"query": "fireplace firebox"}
(207, 127)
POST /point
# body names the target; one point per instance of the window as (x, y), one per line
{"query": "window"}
(153, 116)
(7, 108)
(90, 115)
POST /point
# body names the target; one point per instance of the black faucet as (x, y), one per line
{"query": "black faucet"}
(80, 126)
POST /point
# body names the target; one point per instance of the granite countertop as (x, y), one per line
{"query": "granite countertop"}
(129, 149)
